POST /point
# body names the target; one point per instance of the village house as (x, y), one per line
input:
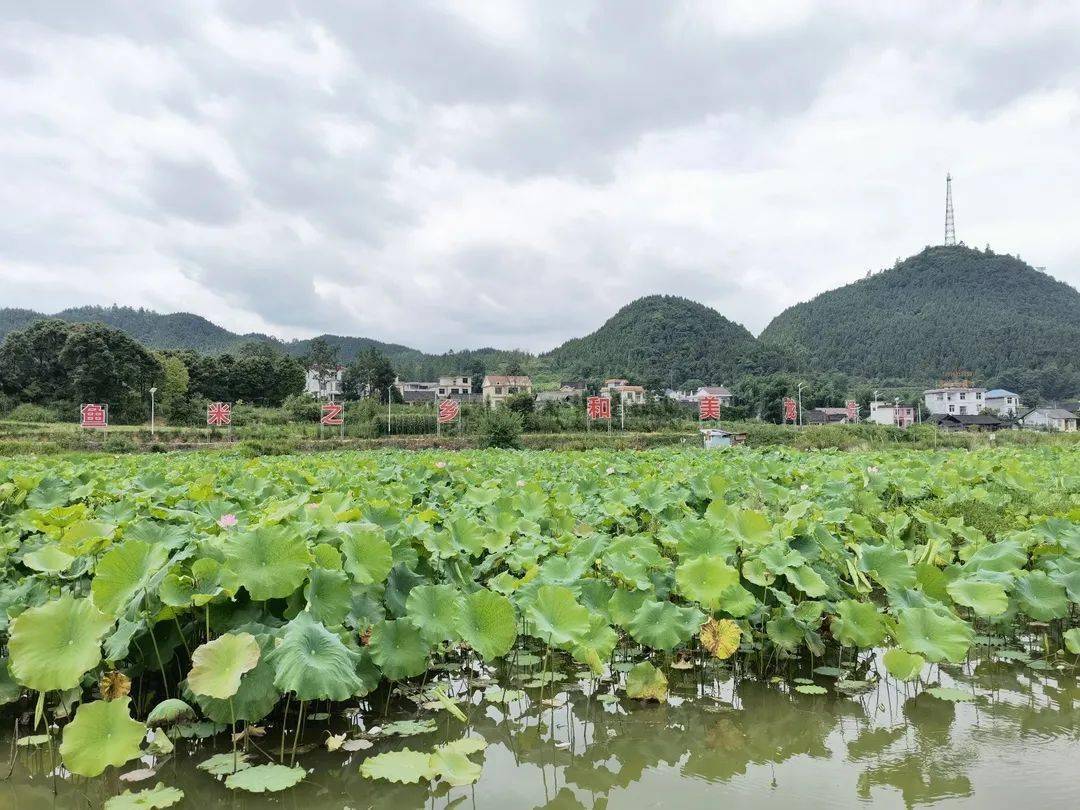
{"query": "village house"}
(825, 416)
(497, 387)
(324, 383)
(1050, 419)
(1001, 402)
(454, 386)
(954, 399)
(567, 393)
(628, 395)
(718, 391)
(416, 391)
(891, 413)
(970, 421)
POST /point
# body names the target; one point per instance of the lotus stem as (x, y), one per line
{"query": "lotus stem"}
(284, 726)
(296, 736)
(161, 666)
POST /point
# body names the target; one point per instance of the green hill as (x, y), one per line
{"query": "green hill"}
(945, 309)
(661, 338)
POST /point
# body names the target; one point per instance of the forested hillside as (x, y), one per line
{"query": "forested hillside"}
(945, 309)
(661, 339)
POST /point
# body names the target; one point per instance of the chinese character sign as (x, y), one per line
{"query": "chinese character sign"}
(709, 407)
(598, 407)
(852, 410)
(332, 414)
(448, 411)
(92, 415)
(219, 414)
(791, 413)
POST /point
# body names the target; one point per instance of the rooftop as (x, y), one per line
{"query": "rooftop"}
(999, 393)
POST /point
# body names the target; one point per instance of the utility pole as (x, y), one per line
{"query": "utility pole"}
(153, 391)
(800, 403)
(950, 223)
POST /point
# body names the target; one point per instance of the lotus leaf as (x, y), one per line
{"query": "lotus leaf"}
(859, 624)
(903, 665)
(124, 574)
(664, 625)
(216, 666)
(149, 799)
(368, 557)
(102, 734)
(488, 624)
(986, 599)
(705, 580)
(436, 610)
(328, 595)
(270, 562)
(314, 663)
(936, 635)
(54, 645)
(646, 682)
(556, 615)
(950, 694)
(404, 766)
(399, 649)
(225, 763)
(1040, 597)
(720, 638)
(265, 778)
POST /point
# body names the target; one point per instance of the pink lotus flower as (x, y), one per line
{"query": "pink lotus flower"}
(225, 521)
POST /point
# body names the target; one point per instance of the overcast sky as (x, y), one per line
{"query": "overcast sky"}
(470, 173)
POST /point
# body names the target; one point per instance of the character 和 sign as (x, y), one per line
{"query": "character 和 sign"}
(219, 414)
(448, 411)
(332, 414)
(709, 407)
(598, 407)
(92, 415)
(791, 414)
(852, 410)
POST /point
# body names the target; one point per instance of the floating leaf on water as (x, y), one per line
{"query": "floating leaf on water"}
(720, 638)
(225, 763)
(810, 689)
(404, 766)
(159, 743)
(407, 728)
(608, 697)
(53, 645)
(525, 659)
(167, 712)
(1012, 655)
(138, 775)
(356, 745)
(851, 686)
(497, 694)
(828, 672)
(153, 798)
(216, 666)
(453, 767)
(646, 682)
(102, 734)
(265, 778)
(334, 742)
(950, 694)
(802, 680)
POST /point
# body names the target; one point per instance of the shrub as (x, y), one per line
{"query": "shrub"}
(28, 412)
(302, 408)
(500, 427)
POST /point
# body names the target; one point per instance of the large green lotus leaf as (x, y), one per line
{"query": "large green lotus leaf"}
(399, 649)
(663, 625)
(753, 528)
(404, 766)
(757, 572)
(887, 565)
(785, 632)
(807, 580)
(436, 610)
(169, 711)
(737, 601)
(314, 663)
(936, 635)
(217, 666)
(705, 579)
(701, 538)
(48, 559)
(256, 697)
(207, 580)
(488, 624)
(329, 595)
(453, 766)
(153, 798)
(10, 690)
(1003, 556)
(102, 734)
(778, 558)
(556, 615)
(124, 574)
(903, 665)
(368, 557)
(86, 536)
(624, 604)
(270, 562)
(54, 645)
(596, 645)
(859, 624)
(646, 682)
(265, 778)
(1040, 597)
(985, 598)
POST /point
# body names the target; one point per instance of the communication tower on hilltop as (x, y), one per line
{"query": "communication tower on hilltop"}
(950, 224)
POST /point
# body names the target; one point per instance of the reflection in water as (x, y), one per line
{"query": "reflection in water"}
(717, 739)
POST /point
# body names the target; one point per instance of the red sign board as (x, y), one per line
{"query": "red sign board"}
(598, 407)
(448, 410)
(219, 414)
(791, 413)
(852, 410)
(332, 414)
(709, 407)
(92, 415)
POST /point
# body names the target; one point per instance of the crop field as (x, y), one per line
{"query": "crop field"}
(155, 602)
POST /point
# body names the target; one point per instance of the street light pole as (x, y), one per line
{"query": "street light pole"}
(800, 403)
(152, 392)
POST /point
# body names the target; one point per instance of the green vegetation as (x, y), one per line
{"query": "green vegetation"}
(944, 309)
(229, 589)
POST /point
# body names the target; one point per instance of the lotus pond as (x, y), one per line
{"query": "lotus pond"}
(538, 629)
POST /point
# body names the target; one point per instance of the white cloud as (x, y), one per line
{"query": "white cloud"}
(466, 174)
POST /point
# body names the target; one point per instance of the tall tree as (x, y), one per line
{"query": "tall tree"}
(370, 374)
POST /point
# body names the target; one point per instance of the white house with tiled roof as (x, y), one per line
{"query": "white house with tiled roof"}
(497, 387)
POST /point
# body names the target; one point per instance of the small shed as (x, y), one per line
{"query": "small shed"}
(717, 437)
